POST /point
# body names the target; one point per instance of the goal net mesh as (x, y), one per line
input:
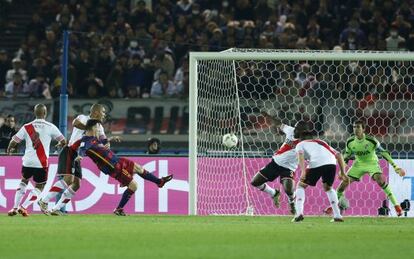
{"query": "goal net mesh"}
(233, 94)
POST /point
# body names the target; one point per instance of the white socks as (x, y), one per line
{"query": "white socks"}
(267, 189)
(34, 194)
(333, 200)
(21, 190)
(300, 200)
(58, 187)
(66, 196)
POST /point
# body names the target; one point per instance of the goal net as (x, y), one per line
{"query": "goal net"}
(230, 91)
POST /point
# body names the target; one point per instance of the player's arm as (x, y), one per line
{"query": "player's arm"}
(300, 152)
(58, 136)
(348, 153)
(16, 139)
(83, 147)
(78, 124)
(342, 165)
(12, 147)
(386, 155)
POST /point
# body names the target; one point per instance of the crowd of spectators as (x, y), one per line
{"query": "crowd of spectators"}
(139, 49)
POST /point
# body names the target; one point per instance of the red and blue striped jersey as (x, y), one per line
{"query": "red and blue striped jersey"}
(103, 157)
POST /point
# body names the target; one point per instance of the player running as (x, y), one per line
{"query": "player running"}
(38, 134)
(283, 164)
(109, 163)
(70, 171)
(364, 149)
(322, 160)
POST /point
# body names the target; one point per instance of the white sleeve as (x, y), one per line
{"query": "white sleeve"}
(20, 135)
(101, 132)
(81, 118)
(300, 148)
(287, 129)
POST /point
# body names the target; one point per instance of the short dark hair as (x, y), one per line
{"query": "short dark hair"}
(90, 123)
(360, 122)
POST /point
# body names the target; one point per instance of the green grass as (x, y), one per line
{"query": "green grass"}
(107, 236)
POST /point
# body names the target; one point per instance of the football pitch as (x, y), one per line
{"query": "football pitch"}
(150, 236)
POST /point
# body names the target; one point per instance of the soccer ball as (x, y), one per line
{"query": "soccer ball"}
(230, 140)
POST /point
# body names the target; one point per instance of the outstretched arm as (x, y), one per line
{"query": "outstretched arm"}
(386, 155)
(78, 124)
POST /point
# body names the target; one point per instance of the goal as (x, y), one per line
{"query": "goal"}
(230, 90)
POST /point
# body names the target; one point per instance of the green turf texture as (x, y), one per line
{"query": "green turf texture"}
(139, 236)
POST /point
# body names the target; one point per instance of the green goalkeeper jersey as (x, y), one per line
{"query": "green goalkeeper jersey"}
(365, 150)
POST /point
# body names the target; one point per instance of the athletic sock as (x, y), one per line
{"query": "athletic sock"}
(125, 198)
(340, 194)
(291, 197)
(333, 200)
(300, 200)
(21, 190)
(66, 197)
(150, 177)
(387, 190)
(58, 187)
(267, 189)
(34, 194)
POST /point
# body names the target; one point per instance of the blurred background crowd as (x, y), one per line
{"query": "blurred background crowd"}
(139, 49)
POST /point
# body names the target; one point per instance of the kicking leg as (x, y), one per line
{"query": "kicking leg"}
(160, 182)
(259, 181)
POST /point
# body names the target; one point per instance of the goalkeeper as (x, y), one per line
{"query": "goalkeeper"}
(364, 148)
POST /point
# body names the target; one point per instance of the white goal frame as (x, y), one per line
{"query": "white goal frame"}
(262, 55)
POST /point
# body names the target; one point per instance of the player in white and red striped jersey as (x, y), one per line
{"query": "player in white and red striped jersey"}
(283, 165)
(322, 160)
(37, 134)
(69, 171)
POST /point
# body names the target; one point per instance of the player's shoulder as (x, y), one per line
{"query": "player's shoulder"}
(82, 117)
(371, 139)
(350, 140)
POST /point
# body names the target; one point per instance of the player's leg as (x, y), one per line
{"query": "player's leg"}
(288, 184)
(40, 178)
(311, 178)
(66, 196)
(132, 187)
(160, 182)
(267, 174)
(64, 170)
(299, 201)
(328, 178)
(354, 174)
(20, 191)
(379, 178)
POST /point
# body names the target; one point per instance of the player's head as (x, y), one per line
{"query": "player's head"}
(153, 146)
(40, 111)
(92, 127)
(301, 129)
(359, 127)
(98, 112)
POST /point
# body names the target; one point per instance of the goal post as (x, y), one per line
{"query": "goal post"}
(229, 90)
